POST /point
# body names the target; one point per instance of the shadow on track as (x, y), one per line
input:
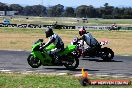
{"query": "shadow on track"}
(78, 69)
(98, 60)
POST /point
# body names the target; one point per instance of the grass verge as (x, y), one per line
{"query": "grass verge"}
(14, 80)
(22, 39)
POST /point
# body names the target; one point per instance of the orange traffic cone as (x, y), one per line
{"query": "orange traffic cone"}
(84, 74)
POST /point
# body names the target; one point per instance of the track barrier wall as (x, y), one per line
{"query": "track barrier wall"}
(59, 26)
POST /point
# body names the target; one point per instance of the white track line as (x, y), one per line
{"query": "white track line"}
(64, 73)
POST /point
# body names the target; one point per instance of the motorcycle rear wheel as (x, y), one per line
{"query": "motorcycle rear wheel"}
(107, 54)
(72, 63)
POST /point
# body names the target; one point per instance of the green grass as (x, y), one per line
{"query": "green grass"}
(66, 21)
(111, 21)
(22, 30)
(45, 81)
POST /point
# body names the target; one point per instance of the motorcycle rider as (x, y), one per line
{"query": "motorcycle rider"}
(114, 26)
(89, 39)
(55, 39)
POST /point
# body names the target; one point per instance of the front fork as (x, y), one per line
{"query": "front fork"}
(44, 58)
(37, 54)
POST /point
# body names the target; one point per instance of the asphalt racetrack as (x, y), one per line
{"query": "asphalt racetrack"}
(16, 61)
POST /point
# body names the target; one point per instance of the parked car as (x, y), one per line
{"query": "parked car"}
(5, 21)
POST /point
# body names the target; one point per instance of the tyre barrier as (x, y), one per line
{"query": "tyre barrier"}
(37, 26)
(60, 26)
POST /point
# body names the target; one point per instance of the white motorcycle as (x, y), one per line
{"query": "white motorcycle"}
(104, 52)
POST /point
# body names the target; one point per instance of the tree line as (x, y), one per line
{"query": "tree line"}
(86, 11)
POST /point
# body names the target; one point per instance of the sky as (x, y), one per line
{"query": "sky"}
(73, 3)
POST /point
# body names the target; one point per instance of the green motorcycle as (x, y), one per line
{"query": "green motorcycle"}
(67, 57)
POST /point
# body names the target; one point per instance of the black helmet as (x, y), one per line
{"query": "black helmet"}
(49, 32)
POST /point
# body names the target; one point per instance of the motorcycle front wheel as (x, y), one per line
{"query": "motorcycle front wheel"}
(33, 62)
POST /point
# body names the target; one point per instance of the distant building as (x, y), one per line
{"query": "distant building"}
(2, 13)
(8, 13)
(11, 13)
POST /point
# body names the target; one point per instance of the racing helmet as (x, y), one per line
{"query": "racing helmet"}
(49, 32)
(82, 31)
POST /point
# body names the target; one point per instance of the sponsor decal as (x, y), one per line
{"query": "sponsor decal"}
(86, 81)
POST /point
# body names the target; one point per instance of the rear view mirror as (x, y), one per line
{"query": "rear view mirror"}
(41, 40)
